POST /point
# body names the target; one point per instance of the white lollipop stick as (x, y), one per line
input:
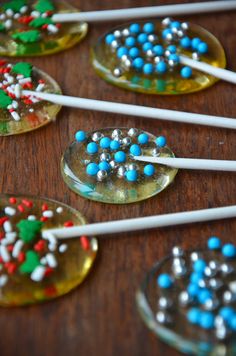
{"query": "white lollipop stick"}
(143, 223)
(220, 73)
(135, 110)
(191, 163)
(142, 12)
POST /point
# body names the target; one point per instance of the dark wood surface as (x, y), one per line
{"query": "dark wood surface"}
(100, 317)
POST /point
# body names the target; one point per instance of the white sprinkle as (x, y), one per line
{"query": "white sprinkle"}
(31, 110)
(10, 211)
(52, 28)
(232, 286)
(35, 100)
(43, 261)
(25, 80)
(17, 91)
(51, 260)
(2, 17)
(38, 274)
(10, 238)
(15, 115)
(4, 253)
(50, 237)
(44, 15)
(31, 217)
(59, 210)
(16, 16)
(52, 247)
(8, 24)
(17, 248)
(9, 12)
(9, 89)
(63, 248)
(3, 280)
(40, 87)
(9, 65)
(9, 107)
(24, 9)
(35, 13)
(48, 214)
(19, 76)
(7, 226)
(15, 104)
(10, 79)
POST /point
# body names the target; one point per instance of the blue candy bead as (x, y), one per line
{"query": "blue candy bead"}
(202, 48)
(193, 315)
(232, 323)
(80, 136)
(161, 67)
(130, 41)
(186, 72)
(138, 63)
(135, 150)
(104, 166)
(147, 46)
(120, 157)
(172, 49)
(134, 28)
(142, 38)
(122, 51)
(149, 27)
(199, 266)
(175, 24)
(164, 281)
(158, 50)
(114, 145)
(185, 42)
(160, 141)
(195, 277)
(174, 57)
(229, 250)
(166, 32)
(204, 295)
(195, 42)
(214, 243)
(92, 148)
(206, 320)
(193, 289)
(149, 170)
(134, 52)
(143, 138)
(227, 313)
(105, 142)
(148, 68)
(109, 38)
(131, 175)
(92, 169)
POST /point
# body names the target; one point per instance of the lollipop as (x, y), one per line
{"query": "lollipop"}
(34, 268)
(149, 57)
(188, 299)
(116, 165)
(27, 28)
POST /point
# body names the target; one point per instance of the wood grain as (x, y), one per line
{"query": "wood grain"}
(100, 317)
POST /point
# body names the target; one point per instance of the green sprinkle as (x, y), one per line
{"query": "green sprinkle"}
(44, 6)
(40, 21)
(14, 5)
(23, 68)
(31, 262)
(27, 36)
(2, 27)
(5, 100)
(29, 229)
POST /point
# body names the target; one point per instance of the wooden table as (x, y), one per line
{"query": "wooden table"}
(100, 317)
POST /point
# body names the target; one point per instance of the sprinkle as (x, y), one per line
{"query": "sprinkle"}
(10, 211)
(17, 248)
(85, 243)
(15, 116)
(4, 253)
(48, 213)
(7, 226)
(51, 260)
(3, 280)
(9, 238)
(63, 248)
(38, 274)
(68, 223)
(17, 91)
(59, 210)
(31, 217)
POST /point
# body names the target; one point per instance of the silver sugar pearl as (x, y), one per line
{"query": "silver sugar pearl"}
(162, 317)
(101, 175)
(121, 172)
(166, 22)
(185, 26)
(156, 152)
(226, 268)
(158, 59)
(219, 321)
(222, 333)
(179, 270)
(124, 58)
(132, 167)
(169, 37)
(178, 262)
(126, 141)
(175, 30)
(150, 53)
(232, 286)
(215, 283)
(164, 303)
(125, 32)
(113, 164)
(117, 34)
(228, 297)
(202, 283)
(172, 63)
(152, 38)
(116, 133)
(214, 265)
(128, 63)
(195, 56)
(184, 298)
(211, 304)
(97, 136)
(114, 44)
(105, 156)
(117, 72)
(209, 272)
(195, 256)
(167, 53)
(177, 251)
(133, 132)
(180, 33)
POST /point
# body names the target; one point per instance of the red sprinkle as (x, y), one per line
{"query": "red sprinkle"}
(10, 248)
(11, 267)
(85, 243)
(50, 291)
(27, 203)
(41, 81)
(2, 220)
(39, 246)
(68, 224)
(44, 207)
(2, 62)
(48, 271)
(21, 257)
(12, 200)
(43, 219)
(21, 208)
(44, 27)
